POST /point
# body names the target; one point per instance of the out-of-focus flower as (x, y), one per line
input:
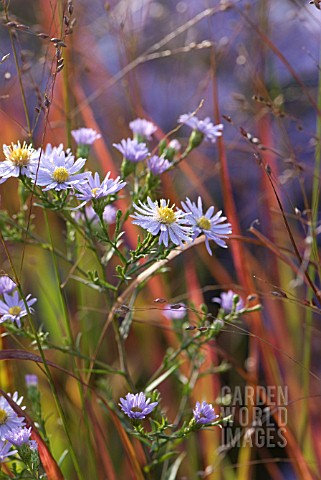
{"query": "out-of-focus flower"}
(9, 420)
(142, 128)
(19, 160)
(132, 150)
(109, 214)
(226, 300)
(95, 189)
(204, 413)
(5, 450)
(175, 145)
(31, 380)
(58, 170)
(85, 136)
(205, 127)
(176, 311)
(158, 165)
(136, 406)
(13, 309)
(6, 284)
(164, 220)
(212, 226)
(20, 436)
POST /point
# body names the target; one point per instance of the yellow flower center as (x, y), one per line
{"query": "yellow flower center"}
(166, 215)
(14, 310)
(20, 155)
(60, 175)
(204, 223)
(3, 416)
(94, 191)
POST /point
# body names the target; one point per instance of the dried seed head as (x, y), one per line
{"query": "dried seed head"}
(11, 24)
(5, 57)
(124, 308)
(60, 44)
(42, 35)
(175, 306)
(60, 67)
(47, 102)
(190, 327)
(55, 40)
(160, 300)
(70, 7)
(20, 26)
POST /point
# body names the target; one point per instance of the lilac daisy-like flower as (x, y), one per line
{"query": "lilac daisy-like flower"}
(85, 136)
(208, 130)
(226, 300)
(110, 214)
(13, 309)
(204, 413)
(9, 420)
(19, 160)
(6, 284)
(132, 150)
(212, 226)
(21, 436)
(5, 451)
(58, 170)
(136, 406)
(161, 218)
(143, 128)
(158, 165)
(31, 380)
(176, 311)
(95, 189)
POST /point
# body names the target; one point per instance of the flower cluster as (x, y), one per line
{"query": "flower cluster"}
(13, 431)
(136, 407)
(13, 308)
(178, 226)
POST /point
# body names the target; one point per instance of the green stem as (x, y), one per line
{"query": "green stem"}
(308, 315)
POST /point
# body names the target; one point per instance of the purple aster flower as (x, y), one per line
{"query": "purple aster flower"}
(9, 420)
(58, 169)
(5, 450)
(18, 437)
(85, 136)
(205, 127)
(95, 189)
(132, 150)
(31, 380)
(204, 413)
(226, 300)
(160, 218)
(176, 311)
(211, 225)
(158, 165)
(19, 160)
(6, 284)
(13, 309)
(109, 214)
(136, 406)
(142, 127)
